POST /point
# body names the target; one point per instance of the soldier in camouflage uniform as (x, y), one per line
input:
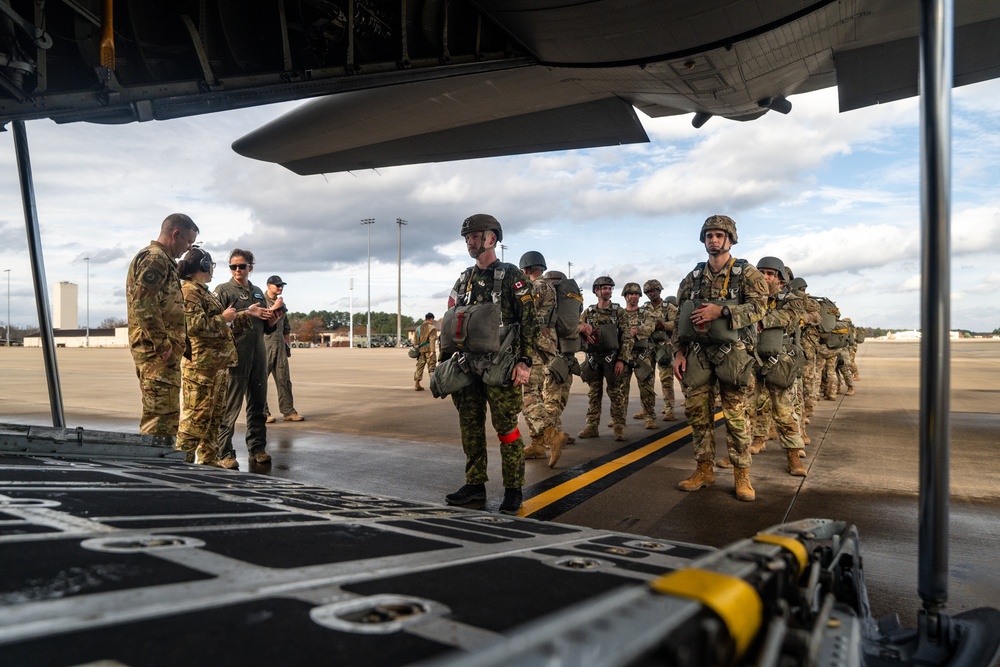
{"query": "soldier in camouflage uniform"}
(828, 366)
(603, 359)
(426, 344)
(205, 369)
(810, 342)
(482, 234)
(248, 380)
(638, 323)
(664, 314)
(545, 396)
(156, 329)
(777, 404)
(722, 277)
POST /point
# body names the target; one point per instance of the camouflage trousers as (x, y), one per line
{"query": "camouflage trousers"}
(505, 406)
(647, 392)
(618, 390)
(160, 386)
(428, 359)
(777, 406)
(203, 404)
(844, 368)
(810, 378)
(699, 406)
(544, 397)
(828, 364)
(854, 365)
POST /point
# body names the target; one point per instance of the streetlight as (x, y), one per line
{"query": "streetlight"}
(8, 306)
(399, 283)
(502, 249)
(569, 270)
(87, 260)
(350, 318)
(368, 222)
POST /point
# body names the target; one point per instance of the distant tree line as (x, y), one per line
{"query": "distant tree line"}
(308, 326)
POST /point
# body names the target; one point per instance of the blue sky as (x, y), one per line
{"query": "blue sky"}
(836, 196)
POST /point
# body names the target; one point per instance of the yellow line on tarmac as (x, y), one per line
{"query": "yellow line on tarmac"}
(557, 493)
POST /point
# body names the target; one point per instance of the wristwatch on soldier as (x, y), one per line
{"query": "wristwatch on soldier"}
(526, 361)
(725, 313)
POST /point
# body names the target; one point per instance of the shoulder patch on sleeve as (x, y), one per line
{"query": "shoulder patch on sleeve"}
(151, 277)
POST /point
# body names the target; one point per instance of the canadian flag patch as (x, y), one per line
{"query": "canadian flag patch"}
(519, 284)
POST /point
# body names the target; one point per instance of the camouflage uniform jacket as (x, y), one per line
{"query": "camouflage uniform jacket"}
(155, 306)
(664, 314)
(475, 285)
(643, 321)
(746, 285)
(596, 316)
(544, 295)
(784, 310)
(213, 346)
(810, 318)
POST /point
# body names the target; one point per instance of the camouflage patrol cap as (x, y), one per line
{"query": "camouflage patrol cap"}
(723, 223)
(631, 288)
(651, 285)
(797, 283)
(532, 258)
(671, 299)
(603, 280)
(482, 222)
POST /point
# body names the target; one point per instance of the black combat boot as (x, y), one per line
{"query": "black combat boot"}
(511, 501)
(469, 493)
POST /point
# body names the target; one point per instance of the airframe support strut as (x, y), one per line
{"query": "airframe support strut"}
(38, 274)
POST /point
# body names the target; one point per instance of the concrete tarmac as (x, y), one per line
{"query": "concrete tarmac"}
(367, 430)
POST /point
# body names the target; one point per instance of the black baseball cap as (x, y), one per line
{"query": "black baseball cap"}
(276, 280)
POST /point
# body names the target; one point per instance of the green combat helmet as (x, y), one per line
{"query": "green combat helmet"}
(532, 258)
(601, 281)
(797, 283)
(631, 288)
(774, 264)
(671, 299)
(482, 222)
(651, 285)
(723, 223)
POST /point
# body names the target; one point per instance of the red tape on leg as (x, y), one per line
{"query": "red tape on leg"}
(510, 437)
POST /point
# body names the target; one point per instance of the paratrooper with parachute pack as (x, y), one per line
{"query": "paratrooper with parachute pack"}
(602, 364)
(719, 305)
(664, 314)
(638, 323)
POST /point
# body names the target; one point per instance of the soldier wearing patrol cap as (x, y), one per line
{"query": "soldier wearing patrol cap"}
(475, 286)
(664, 313)
(718, 303)
(277, 342)
(425, 343)
(156, 327)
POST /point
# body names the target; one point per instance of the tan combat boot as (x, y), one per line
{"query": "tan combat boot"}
(556, 440)
(536, 448)
(417, 387)
(619, 432)
(650, 423)
(639, 415)
(795, 467)
(589, 432)
(668, 415)
(743, 489)
(850, 391)
(724, 462)
(758, 446)
(702, 477)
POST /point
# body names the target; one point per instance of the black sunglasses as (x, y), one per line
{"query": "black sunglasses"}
(241, 267)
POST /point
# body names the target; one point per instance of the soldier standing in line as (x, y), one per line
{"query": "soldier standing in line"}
(277, 343)
(775, 403)
(156, 329)
(637, 325)
(205, 369)
(426, 344)
(810, 341)
(249, 380)
(603, 364)
(734, 292)
(490, 282)
(543, 394)
(661, 355)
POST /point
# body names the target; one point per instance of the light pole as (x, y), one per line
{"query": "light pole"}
(87, 342)
(569, 269)
(368, 222)
(350, 318)
(8, 306)
(399, 283)
(503, 248)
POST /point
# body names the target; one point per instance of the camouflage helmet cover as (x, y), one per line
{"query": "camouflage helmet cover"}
(797, 284)
(671, 299)
(631, 288)
(651, 285)
(532, 258)
(482, 222)
(602, 280)
(723, 223)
